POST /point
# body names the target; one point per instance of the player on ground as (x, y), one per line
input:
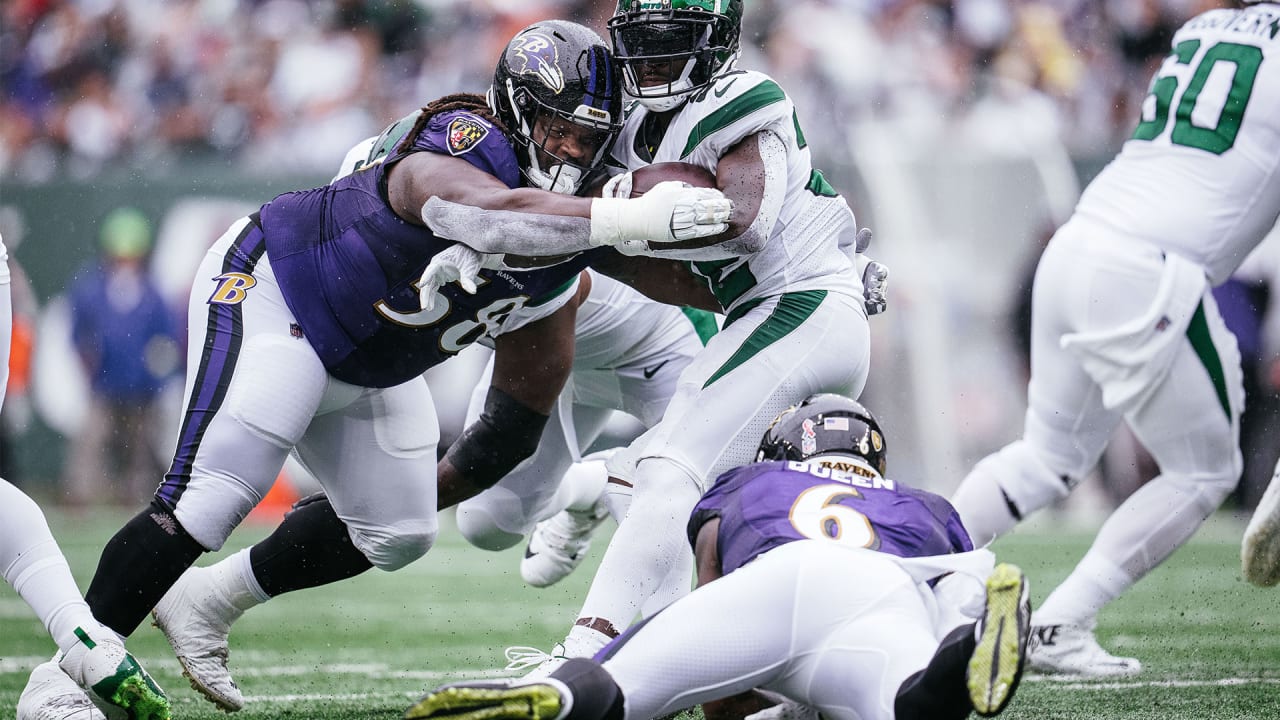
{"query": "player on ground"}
(30, 561)
(312, 321)
(821, 580)
(795, 317)
(1125, 328)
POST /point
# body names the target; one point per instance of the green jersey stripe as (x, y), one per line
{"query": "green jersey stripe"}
(762, 95)
(792, 310)
(704, 323)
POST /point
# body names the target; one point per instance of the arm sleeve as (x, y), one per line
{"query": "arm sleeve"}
(506, 231)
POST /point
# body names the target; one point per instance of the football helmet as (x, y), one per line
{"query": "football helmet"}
(670, 49)
(557, 89)
(825, 425)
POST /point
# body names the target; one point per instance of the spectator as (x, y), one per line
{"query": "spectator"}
(125, 337)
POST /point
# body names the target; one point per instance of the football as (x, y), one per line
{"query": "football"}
(650, 175)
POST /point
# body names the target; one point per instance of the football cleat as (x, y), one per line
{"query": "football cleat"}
(1073, 650)
(1003, 631)
(1260, 548)
(51, 694)
(196, 620)
(558, 544)
(113, 679)
(537, 663)
(492, 700)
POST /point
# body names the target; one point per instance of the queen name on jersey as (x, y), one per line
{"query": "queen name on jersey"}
(764, 505)
(367, 330)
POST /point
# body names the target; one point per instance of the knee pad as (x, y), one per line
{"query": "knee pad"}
(392, 547)
(479, 525)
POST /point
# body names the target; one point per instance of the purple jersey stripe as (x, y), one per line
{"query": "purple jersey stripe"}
(223, 338)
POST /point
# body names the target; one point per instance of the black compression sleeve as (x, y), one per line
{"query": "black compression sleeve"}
(506, 433)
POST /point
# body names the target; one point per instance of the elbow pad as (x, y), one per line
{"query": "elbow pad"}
(506, 433)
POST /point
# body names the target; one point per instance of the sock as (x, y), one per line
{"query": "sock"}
(939, 691)
(310, 548)
(585, 641)
(1094, 583)
(236, 586)
(32, 563)
(592, 693)
(646, 546)
(584, 482)
(138, 566)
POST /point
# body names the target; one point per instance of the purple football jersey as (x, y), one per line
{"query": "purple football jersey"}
(346, 264)
(764, 505)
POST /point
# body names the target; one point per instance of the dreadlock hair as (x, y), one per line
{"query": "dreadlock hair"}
(470, 102)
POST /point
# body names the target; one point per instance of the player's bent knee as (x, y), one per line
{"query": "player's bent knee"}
(1024, 475)
(391, 548)
(479, 526)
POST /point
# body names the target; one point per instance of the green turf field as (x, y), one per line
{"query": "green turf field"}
(366, 648)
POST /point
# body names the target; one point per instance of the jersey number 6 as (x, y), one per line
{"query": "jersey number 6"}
(819, 515)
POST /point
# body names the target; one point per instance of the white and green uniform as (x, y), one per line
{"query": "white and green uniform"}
(795, 321)
(795, 325)
(1124, 326)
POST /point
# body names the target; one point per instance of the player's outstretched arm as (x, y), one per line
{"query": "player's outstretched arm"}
(462, 203)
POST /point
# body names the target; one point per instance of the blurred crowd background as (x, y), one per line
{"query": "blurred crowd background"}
(281, 84)
(961, 132)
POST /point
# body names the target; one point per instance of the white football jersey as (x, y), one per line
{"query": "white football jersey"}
(803, 251)
(1201, 174)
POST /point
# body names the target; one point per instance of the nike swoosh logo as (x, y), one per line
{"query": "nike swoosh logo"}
(720, 91)
(650, 372)
(528, 553)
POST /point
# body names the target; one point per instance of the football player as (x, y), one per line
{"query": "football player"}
(796, 317)
(821, 580)
(31, 561)
(312, 320)
(1125, 328)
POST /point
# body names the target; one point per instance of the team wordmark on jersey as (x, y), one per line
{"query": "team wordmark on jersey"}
(232, 288)
(465, 132)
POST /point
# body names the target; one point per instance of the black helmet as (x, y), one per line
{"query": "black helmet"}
(825, 424)
(689, 42)
(558, 82)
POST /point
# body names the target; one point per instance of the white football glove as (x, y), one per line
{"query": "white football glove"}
(875, 284)
(457, 263)
(669, 212)
(618, 186)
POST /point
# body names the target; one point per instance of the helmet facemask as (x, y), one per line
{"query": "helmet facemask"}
(556, 89)
(669, 55)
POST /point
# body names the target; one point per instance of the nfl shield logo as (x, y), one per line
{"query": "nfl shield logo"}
(464, 132)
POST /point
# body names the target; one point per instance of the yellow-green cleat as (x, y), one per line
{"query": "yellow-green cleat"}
(491, 700)
(997, 662)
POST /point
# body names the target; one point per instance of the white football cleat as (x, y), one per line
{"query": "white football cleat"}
(538, 663)
(558, 544)
(196, 619)
(1073, 650)
(51, 694)
(1260, 548)
(113, 679)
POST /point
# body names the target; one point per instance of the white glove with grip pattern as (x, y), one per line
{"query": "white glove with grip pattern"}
(668, 212)
(875, 284)
(457, 263)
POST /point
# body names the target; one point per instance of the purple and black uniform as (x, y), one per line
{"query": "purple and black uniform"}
(346, 264)
(762, 506)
